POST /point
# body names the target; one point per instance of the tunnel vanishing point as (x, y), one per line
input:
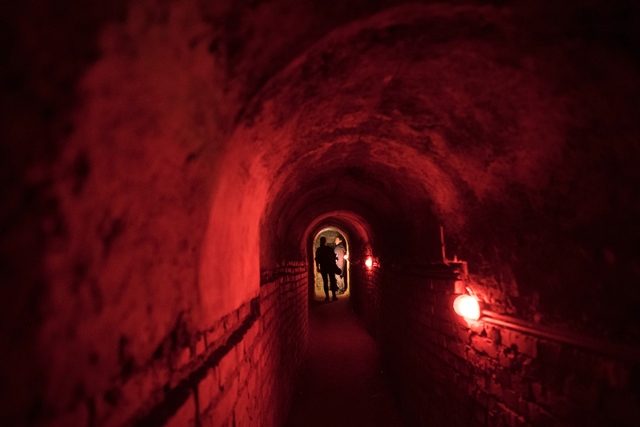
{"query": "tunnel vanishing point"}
(167, 164)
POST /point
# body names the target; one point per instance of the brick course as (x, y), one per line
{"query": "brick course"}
(445, 373)
(240, 372)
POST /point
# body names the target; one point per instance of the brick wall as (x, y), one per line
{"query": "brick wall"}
(366, 295)
(238, 373)
(447, 374)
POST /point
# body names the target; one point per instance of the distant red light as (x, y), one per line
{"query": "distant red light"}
(467, 307)
(369, 263)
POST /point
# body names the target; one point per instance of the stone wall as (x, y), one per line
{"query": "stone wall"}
(238, 373)
(365, 294)
(445, 373)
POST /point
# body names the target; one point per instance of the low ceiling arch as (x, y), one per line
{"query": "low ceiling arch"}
(447, 115)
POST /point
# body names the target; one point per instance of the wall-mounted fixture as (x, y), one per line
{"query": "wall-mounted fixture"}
(467, 306)
(369, 263)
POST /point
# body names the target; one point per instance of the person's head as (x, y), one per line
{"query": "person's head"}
(323, 241)
(338, 241)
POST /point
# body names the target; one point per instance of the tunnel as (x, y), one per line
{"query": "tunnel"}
(168, 165)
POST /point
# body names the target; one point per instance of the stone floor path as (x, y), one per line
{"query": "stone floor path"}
(341, 384)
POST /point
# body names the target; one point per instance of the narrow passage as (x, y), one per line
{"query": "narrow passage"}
(341, 381)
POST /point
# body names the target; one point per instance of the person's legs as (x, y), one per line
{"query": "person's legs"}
(325, 280)
(334, 286)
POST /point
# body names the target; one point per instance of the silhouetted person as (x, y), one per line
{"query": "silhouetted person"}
(326, 265)
(340, 252)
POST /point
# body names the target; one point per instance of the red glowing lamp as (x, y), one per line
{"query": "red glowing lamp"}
(467, 306)
(369, 262)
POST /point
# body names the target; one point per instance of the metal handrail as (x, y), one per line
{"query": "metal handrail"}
(605, 347)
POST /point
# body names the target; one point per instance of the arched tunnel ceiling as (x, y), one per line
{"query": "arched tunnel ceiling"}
(149, 144)
(356, 230)
(372, 190)
(420, 107)
(331, 188)
(449, 114)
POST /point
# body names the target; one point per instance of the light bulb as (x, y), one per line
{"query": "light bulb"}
(467, 307)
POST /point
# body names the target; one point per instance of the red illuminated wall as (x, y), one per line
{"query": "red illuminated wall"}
(238, 372)
(447, 374)
(161, 159)
(366, 296)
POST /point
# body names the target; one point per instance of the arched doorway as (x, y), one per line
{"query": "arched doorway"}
(337, 239)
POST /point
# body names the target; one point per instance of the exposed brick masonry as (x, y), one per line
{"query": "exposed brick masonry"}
(252, 383)
(365, 294)
(446, 374)
(238, 373)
